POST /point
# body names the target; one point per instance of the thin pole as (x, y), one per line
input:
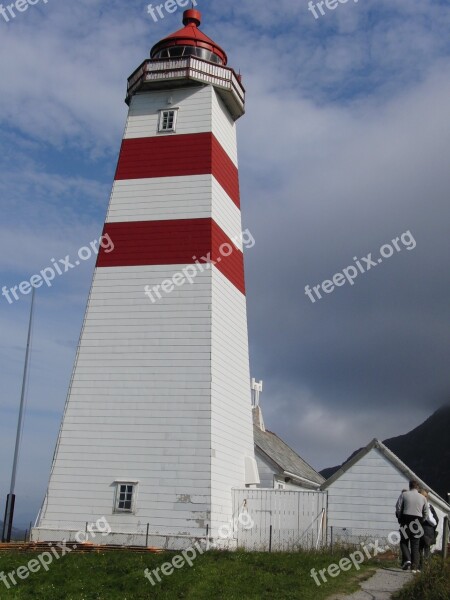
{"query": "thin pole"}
(320, 528)
(9, 513)
(22, 399)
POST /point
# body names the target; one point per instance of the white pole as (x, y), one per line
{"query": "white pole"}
(320, 528)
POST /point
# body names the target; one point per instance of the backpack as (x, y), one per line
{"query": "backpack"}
(433, 512)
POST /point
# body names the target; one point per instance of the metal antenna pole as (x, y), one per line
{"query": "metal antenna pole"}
(11, 500)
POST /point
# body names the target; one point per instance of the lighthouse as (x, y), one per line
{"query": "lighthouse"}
(157, 426)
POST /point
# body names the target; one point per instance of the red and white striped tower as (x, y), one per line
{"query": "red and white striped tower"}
(157, 427)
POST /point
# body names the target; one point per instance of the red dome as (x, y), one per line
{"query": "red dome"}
(182, 42)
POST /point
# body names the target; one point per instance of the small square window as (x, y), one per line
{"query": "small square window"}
(125, 497)
(167, 120)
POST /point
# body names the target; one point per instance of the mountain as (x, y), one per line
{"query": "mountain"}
(329, 471)
(425, 450)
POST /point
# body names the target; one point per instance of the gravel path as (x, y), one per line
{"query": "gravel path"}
(381, 586)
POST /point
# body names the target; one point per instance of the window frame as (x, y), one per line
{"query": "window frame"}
(117, 493)
(161, 120)
(204, 54)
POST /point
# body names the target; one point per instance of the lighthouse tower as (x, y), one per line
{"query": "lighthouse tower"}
(157, 427)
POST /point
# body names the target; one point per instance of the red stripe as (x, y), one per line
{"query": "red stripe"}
(177, 155)
(140, 243)
(231, 266)
(225, 171)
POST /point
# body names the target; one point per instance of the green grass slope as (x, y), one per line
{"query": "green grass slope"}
(432, 584)
(213, 576)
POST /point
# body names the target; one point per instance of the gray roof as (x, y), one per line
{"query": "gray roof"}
(284, 457)
(394, 459)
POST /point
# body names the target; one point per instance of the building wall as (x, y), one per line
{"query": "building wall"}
(201, 110)
(139, 406)
(167, 198)
(224, 128)
(363, 499)
(270, 476)
(231, 425)
(266, 471)
(160, 393)
(194, 114)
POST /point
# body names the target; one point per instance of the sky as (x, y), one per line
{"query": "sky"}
(345, 147)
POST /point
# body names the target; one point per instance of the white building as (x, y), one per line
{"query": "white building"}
(279, 466)
(363, 493)
(157, 427)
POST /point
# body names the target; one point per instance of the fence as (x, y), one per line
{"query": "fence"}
(283, 520)
(276, 520)
(20, 535)
(351, 536)
(144, 538)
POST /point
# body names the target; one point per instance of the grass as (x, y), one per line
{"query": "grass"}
(432, 584)
(215, 575)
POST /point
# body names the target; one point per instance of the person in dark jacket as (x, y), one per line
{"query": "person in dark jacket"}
(429, 525)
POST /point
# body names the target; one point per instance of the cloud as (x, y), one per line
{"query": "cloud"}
(358, 179)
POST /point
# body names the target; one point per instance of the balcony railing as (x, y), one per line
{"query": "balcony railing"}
(163, 73)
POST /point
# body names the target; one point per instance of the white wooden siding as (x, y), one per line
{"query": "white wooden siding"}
(160, 393)
(147, 439)
(200, 110)
(166, 198)
(194, 114)
(266, 471)
(363, 499)
(160, 198)
(223, 127)
(294, 518)
(231, 423)
(226, 214)
(270, 476)
(121, 404)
